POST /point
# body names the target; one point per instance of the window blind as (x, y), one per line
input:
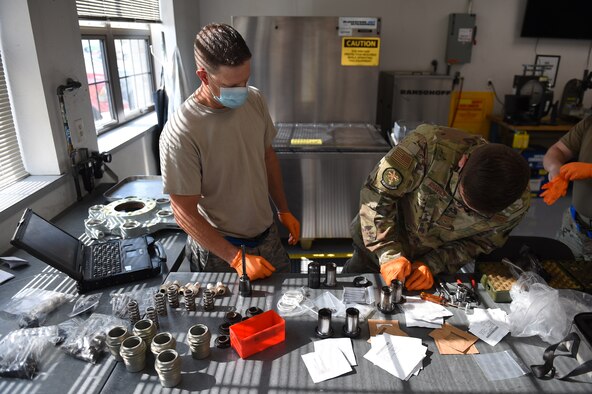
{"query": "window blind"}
(11, 162)
(119, 10)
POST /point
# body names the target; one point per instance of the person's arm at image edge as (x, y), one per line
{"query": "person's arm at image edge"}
(557, 155)
(275, 186)
(190, 220)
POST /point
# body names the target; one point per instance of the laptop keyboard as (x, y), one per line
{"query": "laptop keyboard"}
(106, 260)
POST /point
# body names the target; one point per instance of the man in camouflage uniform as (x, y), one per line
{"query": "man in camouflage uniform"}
(576, 227)
(439, 198)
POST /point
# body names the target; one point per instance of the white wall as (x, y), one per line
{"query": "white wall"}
(414, 32)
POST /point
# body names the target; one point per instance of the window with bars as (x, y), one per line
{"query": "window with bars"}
(119, 72)
(11, 162)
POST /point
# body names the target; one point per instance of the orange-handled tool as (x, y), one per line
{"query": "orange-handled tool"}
(432, 298)
(435, 299)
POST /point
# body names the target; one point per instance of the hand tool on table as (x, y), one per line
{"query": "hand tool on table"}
(435, 299)
(244, 282)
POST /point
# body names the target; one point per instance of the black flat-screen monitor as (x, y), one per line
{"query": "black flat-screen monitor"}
(558, 19)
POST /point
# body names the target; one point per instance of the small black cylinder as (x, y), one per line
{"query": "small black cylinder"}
(314, 275)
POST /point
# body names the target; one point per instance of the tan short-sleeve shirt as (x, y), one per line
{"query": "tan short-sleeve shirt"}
(220, 155)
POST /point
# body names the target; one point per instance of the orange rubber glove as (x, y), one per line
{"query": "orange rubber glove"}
(554, 189)
(292, 224)
(397, 268)
(421, 277)
(257, 266)
(577, 170)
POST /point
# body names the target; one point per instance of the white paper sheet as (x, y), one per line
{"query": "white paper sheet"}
(343, 344)
(399, 356)
(420, 313)
(4, 276)
(326, 365)
(489, 325)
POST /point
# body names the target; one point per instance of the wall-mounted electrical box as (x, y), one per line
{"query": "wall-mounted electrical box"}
(461, 36)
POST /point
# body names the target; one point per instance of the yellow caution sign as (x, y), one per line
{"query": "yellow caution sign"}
(306, 141)
(360, 51)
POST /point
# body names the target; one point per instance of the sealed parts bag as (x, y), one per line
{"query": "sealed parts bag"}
(538, 309)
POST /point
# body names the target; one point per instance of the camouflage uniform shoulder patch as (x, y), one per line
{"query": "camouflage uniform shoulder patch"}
(391, 178)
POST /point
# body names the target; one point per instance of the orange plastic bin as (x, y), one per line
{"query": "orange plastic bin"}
(257, 333)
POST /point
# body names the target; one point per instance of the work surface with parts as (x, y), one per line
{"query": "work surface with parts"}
(280, 368)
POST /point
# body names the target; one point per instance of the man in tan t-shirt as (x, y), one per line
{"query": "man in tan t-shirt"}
(576, 228)
(219, 167)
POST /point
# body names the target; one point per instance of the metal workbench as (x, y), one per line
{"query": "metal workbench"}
(60, 373)
(280, 369)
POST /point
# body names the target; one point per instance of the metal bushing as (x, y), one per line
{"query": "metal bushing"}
(233, 317)
(222, 342)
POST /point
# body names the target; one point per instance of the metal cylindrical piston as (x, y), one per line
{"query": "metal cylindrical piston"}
(133, 353)
(115, 337)
(133, 312)
(397, 287)
(314, 275)
(189, 296)
(324, 329)
(198, 338)
(145, 329)
(331, 275)
(386, 304)
(351, 328)
(160, 304)
(168, 367)
(162, 341)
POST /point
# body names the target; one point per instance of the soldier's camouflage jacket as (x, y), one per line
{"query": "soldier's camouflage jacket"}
(410, 204)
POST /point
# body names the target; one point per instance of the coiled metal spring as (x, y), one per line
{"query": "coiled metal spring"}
(208, 300)
(151, 314)
(133, 312)
(160, 304)
(189, 300)
(173, 296)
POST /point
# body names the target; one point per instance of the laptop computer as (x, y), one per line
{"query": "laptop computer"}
(91, 266)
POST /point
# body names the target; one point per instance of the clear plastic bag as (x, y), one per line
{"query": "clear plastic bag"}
(329, 301)
(87, 342)
(85, 304)
(365, 311)
(31, 306)
(538, 309)
(144, 298)
(21, 350)
(294, 303)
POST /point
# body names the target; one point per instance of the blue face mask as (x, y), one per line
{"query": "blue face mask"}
(232, 97)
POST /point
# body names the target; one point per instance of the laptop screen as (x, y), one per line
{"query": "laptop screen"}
(48, 243)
